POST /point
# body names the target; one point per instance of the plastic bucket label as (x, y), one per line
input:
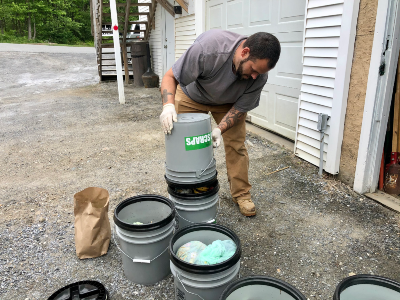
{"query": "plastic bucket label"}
(198, 142)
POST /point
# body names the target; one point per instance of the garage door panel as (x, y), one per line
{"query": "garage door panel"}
(290, 61)
(277, 110)
(235, 17)
(288, 70)
(291, 10)
(285, 19)
(261, 110)
(260, 12)
(286, 111)
(216, 15)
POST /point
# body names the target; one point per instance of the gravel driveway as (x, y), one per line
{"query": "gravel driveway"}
(61, 131)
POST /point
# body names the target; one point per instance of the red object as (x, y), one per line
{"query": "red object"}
(115, 27)
(382, 174)
(393, 160)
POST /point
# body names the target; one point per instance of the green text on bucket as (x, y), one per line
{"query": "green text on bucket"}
(198, 142)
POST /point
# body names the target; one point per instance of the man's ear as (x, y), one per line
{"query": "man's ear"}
(245, 52)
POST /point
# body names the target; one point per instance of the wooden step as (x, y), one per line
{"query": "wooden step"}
(110, 45)
(138, 38)
(115, 70)
(123, 14)
(141, 30)
(130, 23)
(132, 4)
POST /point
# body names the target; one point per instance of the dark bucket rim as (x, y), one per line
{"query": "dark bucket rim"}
(365, 279)
(206, 269)
(144, 227)
(103, 294)
(201, 196)
(191, 185)
(264, 280)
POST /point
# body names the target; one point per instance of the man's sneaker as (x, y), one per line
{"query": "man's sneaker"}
(247, 207)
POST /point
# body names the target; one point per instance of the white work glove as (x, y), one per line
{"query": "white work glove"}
(216, 137)
(167, 117)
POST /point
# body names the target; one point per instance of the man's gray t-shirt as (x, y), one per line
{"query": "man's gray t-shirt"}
(205, 74)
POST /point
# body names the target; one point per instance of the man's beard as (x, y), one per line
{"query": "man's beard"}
(239, 71)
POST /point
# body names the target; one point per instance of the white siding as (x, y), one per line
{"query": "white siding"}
(328, 48)
(185, 34)
(155, 39)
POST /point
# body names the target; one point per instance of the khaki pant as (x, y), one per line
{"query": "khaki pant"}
(237, 159)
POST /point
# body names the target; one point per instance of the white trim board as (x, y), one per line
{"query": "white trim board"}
(342, 82)
(327, 61)
(200, 15)
(378, 96)
(385, 199)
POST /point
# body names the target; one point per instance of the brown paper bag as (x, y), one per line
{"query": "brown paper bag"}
(92, 226)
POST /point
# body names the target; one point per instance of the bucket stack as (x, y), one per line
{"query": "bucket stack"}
(190, 170)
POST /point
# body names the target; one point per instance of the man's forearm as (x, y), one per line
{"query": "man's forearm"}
(232, 117)
(168, 88)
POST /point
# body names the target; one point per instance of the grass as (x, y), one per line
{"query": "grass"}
(8, 38)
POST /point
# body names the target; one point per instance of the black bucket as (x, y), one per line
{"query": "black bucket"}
(261, 288)
(90, 290)
(367, 287)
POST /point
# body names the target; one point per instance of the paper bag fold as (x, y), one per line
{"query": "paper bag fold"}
(92, 226)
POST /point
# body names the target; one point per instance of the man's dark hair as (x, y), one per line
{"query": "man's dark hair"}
(264, 45)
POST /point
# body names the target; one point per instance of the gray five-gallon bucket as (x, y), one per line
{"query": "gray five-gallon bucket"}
(367, 287)
(144, 247)
(261, 288)
(203, 282)
(189, 150)
(195, 208)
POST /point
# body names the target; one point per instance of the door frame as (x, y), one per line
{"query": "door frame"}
(378, 96)
(163, 23)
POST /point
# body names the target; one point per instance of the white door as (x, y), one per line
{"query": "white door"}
(168, 40)
(284, 19)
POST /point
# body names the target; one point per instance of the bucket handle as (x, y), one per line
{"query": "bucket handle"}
(213, 220)
(199, 175)
(137, 260)
(177, 276)
(210, 221)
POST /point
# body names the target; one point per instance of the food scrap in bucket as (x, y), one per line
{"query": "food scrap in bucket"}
(198, 190)
(197, 253)
(190, 251)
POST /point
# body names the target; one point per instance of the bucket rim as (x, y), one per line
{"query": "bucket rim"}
(144, 227)
(365, 279)
(263, 280)
(183, 185)
(201, 196)
(103, 292)
(204, 117)
(205, 269)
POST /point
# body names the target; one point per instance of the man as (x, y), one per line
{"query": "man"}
(222, 73)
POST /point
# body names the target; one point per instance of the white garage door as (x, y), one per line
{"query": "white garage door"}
(285, 19)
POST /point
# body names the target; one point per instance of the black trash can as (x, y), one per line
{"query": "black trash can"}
(139, 61)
